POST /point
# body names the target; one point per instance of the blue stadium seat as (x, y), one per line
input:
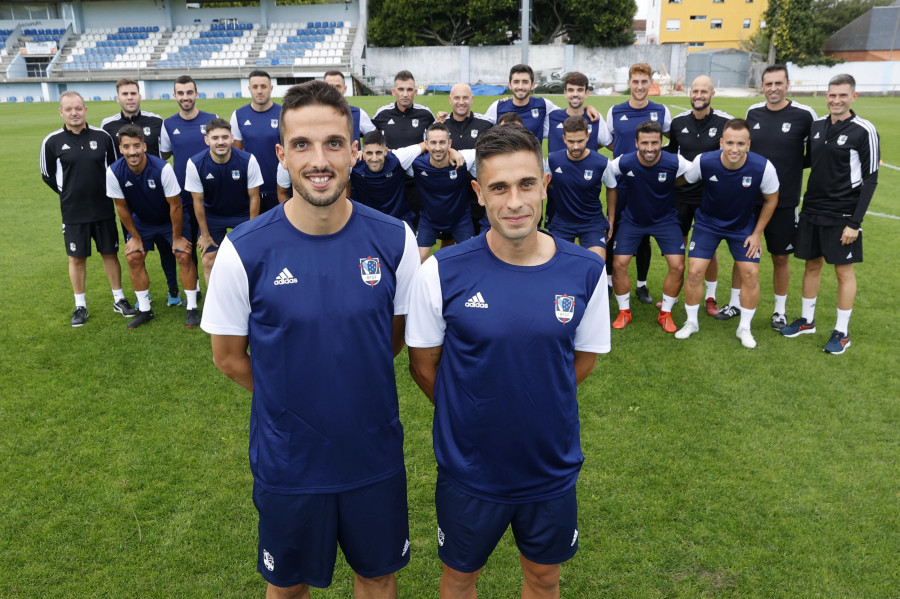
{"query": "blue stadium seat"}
(220, 95)
(29, 98)
(96, 98)
(202, 95)
(12, 99)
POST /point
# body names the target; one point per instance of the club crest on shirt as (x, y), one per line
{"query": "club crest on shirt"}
(93, 145)
(370, 270)
(147, 131)
(151, 183)
(747, 181)
(203, 129)
(474, 133)
(712, 131)
(842, 139)
(453, 175)
(588, 175)
(785, 127)
(661, 177)
(654, 117)
(274, 123)
(236, 175)
(535, 113)
(415, 123)
(565, 308)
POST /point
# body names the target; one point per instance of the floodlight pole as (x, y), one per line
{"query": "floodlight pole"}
(526, 29)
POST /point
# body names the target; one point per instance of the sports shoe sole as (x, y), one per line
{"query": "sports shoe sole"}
(808, 331)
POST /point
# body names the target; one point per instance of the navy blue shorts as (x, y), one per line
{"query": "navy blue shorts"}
(220, 225)
(299, 534)
(704, 244)
(590, 234)
(427, 233)
(667, 235)
(153, 235)
(469, 528)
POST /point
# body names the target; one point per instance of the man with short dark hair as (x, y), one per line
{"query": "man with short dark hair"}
(649, 212)
(73, 162)
(224, 183)
(733, 178)
(128, 95)
(502, 330)
(531, 109)
(362, 124)
(693, 132)
(576, 92)
(403, 122)
(255, 129)
(844, 151)
(578, 176)
(148, 200)
(326, 442)
(379, 179)
(779, 128)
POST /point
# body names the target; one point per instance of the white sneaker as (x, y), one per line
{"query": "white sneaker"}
(746, 338)
(687, 330)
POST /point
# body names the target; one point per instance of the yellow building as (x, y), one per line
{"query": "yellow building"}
(705, 24)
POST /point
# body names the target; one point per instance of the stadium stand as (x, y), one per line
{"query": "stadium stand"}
(218, 46)
(125, 48)
(317, 43)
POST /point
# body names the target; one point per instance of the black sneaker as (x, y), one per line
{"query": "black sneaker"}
(643, 294)
(124, 308)
(779, 321)
(193, 319)
(79, 316)
(140, 319)
(728, 312)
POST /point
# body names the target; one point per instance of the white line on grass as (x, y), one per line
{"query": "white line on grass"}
(683, 108)
(884, 215)
(896, 168)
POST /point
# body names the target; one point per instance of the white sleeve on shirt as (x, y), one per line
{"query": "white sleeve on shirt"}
(613, 167)
(469, 157)
(593, 334)
(254, 175)
(491, 113)
(113, 189)
(604, 136)
(192, 182)
(407, 155)
(609, 178)
(365, 123)
(226, 307)
(235, 127)
(283, 177)
(165, 144)
(693, 173)
(169, 181)
(770, 182)
(406, 270)
(683, 165)
(425, 324)
(667, 120)
(609, 122)
(549, 106)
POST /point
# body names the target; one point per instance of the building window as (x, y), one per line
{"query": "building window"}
(715, 24)
(696, 44)
(673, 24)
(746, 23)
(674, 1)
(718, 1)
(698, 17)
(762, 24)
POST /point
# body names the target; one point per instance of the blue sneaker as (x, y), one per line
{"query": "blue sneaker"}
(838, 343)
(799, 327)
(174, 300)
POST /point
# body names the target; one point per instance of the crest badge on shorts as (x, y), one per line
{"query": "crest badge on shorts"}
(565, 308)
(274, 123)
(654, 116)
(842, 139)
(370, 270)
(268, 561)
(785, 127)
(236, 175)
(747, 181)
(151, 183)
(535, 113)
(147, 131)
(93, 145)
(661, 177)
(588, 175)
(415, 123)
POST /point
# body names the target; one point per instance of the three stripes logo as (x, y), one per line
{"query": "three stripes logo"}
(476, 301)
(285, 278)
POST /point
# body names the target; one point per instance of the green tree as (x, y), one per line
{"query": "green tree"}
(590, 23)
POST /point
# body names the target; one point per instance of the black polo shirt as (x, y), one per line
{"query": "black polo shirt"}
(150, 122)
(465, 132)
(691, 137)
(403, 128)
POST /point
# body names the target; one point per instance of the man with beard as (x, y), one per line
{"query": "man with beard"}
(576, 91)
(326, 440)
(362, 124)
(255, 129)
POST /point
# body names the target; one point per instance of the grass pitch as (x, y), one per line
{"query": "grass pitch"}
(711, 470)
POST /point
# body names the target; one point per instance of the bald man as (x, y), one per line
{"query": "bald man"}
(693, 132)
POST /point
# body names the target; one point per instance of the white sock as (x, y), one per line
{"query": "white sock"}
(808, 310)
(711, 289)
(79, 301)
(624, 301)
(143, 298)
(843, 320)
(735, 297)
(118, 295)
(780, 304)
(198, 284)
(642, 283)
(191, 298)
(668, 303)
(692, 313)
(746, 317)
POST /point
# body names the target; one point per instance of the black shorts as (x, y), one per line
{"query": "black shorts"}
(781, 232)
(685, 216)
(815, 241)
(78, 237)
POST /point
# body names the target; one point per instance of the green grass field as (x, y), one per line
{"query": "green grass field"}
(711, 470)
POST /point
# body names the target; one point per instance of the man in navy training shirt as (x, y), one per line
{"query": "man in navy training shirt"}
(576, 92)
(224, 183)
(533, 307)
(148, 200)
(326, 443)
(578, 176)
(73, 162)
(844, 151)
(650, 211)
(733, 178)
(379, 179)
(362, 124)
(255, 129)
